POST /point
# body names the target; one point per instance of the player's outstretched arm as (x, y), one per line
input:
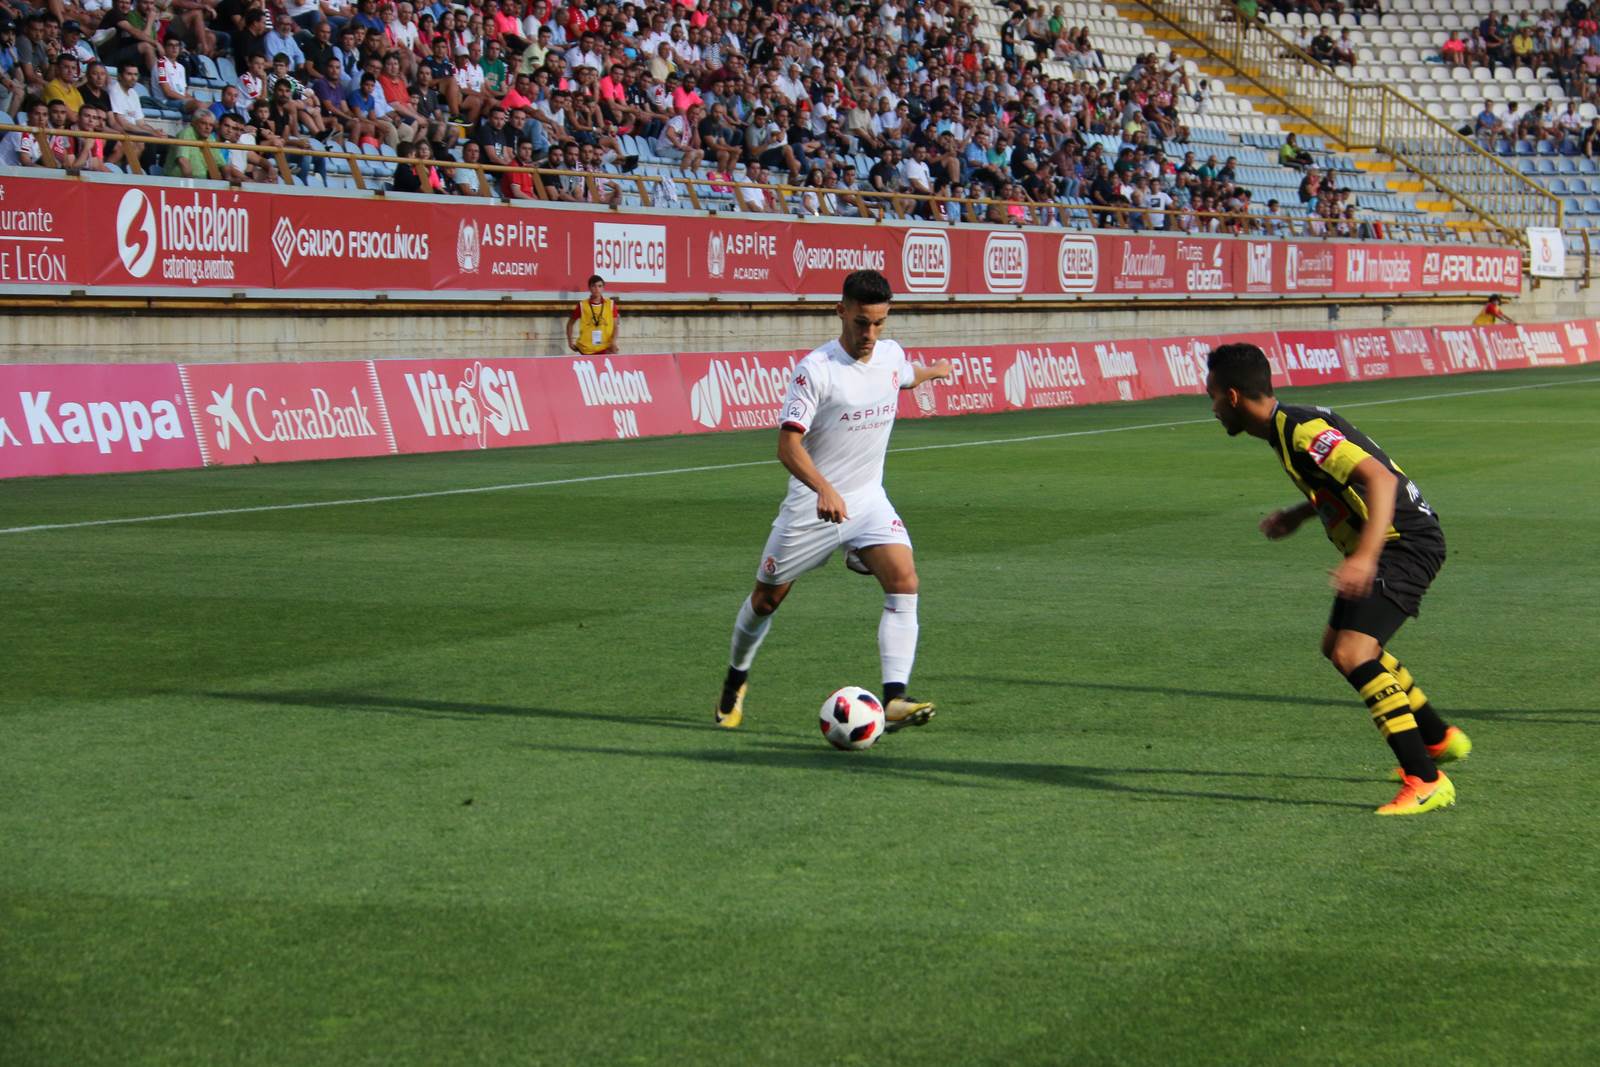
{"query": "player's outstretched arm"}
(792, 454)
(920, 374)
(1285, 521)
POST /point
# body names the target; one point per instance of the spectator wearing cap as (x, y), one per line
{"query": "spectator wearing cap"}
(468, 76)
(73, 41)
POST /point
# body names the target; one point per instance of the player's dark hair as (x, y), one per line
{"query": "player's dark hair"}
(868, 287)
(595, 278)
(1243, 367)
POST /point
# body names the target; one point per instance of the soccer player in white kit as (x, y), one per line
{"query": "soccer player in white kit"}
(836, 421)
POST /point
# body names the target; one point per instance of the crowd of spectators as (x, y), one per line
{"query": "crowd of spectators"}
(903, 100)
(1564, 41)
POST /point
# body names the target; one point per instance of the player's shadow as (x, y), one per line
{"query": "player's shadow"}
(961, 773)
(1539, 716)
(460, 710)
(1148, 690)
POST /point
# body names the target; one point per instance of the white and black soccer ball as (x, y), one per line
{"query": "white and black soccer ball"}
(851, 718)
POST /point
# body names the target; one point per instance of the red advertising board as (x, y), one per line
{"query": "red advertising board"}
(1165, 266)
(443, 405)
(42, 239)
(170, 235)
(599, 397)
(92, 419)
(353, 243)
(974, 384)
(1459, 350)
(1175, 365)
(283, 412)
(1385, 353)
(735, 390)
(1313, 357)
(1582, 340)
(173, 236)
(479, 246)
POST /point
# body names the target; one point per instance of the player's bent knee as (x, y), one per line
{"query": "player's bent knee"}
(766, 598)
(1350, 650)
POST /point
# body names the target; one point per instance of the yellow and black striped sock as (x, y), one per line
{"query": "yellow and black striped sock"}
(1391, 713)
(1429, 723)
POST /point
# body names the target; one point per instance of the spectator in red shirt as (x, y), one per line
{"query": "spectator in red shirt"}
(518, 184)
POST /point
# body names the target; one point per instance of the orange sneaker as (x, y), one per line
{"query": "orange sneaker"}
(1417, 797)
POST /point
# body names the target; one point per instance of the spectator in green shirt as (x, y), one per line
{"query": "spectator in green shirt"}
(189, 161)
(493, 65)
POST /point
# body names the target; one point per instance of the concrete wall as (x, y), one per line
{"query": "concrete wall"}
(225, 335)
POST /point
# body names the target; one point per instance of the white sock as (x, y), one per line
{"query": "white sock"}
(897, 636)
(748, 631)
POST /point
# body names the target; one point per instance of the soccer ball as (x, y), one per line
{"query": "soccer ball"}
(851, 718)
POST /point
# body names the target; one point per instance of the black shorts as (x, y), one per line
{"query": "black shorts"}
(1404, 574)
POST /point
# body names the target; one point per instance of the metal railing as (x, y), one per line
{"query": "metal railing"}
(1364, 115)
(705, 193)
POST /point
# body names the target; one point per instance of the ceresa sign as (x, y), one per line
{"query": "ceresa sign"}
(925, 261)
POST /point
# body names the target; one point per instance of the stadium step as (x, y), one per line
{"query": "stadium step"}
(1375, 166)
(1437, 207)
(1406, 185)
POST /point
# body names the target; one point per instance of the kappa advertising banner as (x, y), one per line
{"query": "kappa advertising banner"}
(735, 390)
(41, 232)
(93, 419)
(174, 236)
(600, 397)
(281, 412)
(443, 405)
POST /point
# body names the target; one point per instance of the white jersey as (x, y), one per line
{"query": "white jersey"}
(846, 409)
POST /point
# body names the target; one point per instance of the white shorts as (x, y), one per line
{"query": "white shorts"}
(800, 544)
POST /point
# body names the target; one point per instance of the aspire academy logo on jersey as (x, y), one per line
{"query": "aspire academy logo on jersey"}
(742, 394)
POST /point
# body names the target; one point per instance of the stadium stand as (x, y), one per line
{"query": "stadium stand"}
(937, 110)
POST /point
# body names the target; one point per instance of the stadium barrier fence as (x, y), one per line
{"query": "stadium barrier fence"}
(101, 418)
(65, 236)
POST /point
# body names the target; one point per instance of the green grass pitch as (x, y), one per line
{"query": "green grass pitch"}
(433, 781)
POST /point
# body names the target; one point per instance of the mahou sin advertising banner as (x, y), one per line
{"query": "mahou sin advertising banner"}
(597, 397)
(93, 419)
(282, 412)
(443, 405)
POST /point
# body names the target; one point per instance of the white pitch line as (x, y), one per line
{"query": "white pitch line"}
(431, 494)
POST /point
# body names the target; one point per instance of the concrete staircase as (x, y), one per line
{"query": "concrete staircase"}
(1439, 204)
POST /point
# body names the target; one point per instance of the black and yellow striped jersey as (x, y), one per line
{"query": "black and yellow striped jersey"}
(1320, 450)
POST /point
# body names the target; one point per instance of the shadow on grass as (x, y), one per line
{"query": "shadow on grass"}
(1539, 716)
(418, 707)
(971, 773)
(1545, 716)
(1159, 690)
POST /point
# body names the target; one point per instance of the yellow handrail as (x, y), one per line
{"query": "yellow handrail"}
(1360, 115)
